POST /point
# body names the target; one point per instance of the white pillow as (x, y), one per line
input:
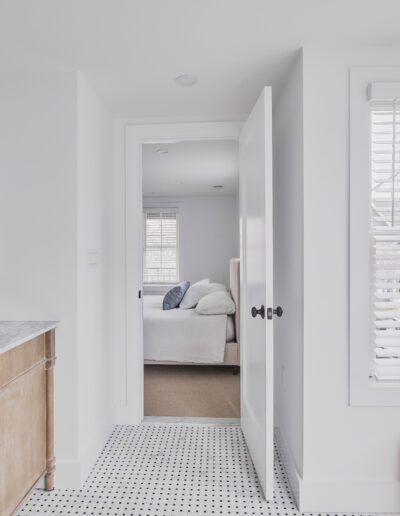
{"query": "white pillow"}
(216, 287)
(198, 291)
(216, 303)
(195, 293)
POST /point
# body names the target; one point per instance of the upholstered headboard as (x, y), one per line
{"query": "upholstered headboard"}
(234, 285)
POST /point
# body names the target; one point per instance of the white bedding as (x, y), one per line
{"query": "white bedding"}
(182, 335)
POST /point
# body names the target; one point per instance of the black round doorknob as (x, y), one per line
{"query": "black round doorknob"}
(278, 311)
(260, 311)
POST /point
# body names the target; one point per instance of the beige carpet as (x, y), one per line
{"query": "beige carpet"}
(191, 391)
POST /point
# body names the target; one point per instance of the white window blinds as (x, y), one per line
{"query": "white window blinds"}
(160, 254)
(385, 239)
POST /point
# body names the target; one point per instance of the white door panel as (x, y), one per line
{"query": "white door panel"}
(257, 288)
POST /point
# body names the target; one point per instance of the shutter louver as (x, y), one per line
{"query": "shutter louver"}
(385, 239)
(160, 247)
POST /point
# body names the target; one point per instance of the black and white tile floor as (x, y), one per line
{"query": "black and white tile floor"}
(170, 469)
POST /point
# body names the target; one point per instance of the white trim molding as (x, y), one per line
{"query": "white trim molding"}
(337, 496)
(72, 474)
(352, 496)
(289, 464)
(364, 390)
(130, 362)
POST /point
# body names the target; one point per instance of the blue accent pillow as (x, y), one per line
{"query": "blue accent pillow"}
(174, 296)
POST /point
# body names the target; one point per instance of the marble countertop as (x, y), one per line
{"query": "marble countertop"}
(14, 333)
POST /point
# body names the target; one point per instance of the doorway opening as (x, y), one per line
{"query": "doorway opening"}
(256, 279)
(191, 301)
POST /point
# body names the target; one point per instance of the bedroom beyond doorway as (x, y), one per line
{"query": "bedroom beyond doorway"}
(191, 279)
(191, 391)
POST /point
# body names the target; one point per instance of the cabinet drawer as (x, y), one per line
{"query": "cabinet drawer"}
(18, 360)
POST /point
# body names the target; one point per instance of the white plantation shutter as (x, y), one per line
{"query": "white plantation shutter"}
(160, 254)
(385, 237)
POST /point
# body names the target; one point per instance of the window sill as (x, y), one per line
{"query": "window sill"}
(374, 394)
(157, 289)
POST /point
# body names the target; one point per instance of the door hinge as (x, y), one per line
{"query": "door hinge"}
(140, 294)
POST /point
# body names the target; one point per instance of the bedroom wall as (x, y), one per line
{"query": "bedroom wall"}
(54, 153)
(288, 267)
(208, 235)
(351, 454)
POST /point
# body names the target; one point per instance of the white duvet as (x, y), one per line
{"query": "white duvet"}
(182, 335)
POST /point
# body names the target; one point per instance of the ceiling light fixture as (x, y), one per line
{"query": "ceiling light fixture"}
(186, 79)
(162, 150)
(217, 187)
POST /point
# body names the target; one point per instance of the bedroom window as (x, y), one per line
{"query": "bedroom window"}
(160, 254)
(374, 317)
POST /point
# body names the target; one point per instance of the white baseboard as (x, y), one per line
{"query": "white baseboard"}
(350, 497)
(67, 474)
(289, 464)
(332, 496)
(72, 474)
(170, 420)
(128, 415)
(92, 452)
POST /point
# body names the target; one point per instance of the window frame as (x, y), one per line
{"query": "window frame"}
(162, 209)
(364, 391)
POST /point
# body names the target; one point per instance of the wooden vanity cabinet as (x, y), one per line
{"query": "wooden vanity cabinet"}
(26, 420)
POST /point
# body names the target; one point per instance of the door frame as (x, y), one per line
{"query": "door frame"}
(130, 351)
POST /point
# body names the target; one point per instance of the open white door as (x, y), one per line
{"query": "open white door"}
(257, 328)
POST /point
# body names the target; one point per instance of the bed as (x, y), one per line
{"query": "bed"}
(186, 337)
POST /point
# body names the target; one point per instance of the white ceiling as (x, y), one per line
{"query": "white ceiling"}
(191, 168)
(131, 50)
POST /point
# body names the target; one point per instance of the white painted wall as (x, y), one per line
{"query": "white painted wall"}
(288, 267)
(38, 214)
(95, 339)
(118, 248)
(208, 235)
(54, 161)
(351, 454)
